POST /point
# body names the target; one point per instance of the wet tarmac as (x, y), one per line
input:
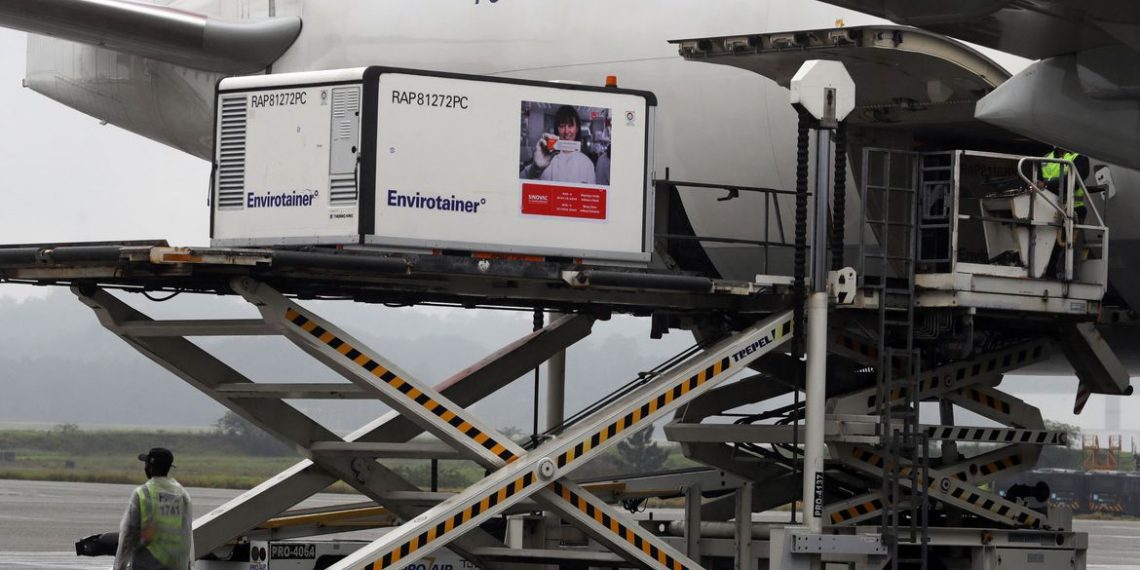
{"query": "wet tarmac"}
(40, 522)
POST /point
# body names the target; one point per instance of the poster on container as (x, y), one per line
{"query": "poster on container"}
(498, 166)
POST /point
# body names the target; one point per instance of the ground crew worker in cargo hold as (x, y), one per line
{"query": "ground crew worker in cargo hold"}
(1051, 175)
(1051, 179)
(156, 532)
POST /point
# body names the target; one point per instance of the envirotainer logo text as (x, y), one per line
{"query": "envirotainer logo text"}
(293, 199)
(442, 203)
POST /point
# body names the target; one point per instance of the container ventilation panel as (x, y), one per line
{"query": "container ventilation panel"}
(344, 146)
(231, 153)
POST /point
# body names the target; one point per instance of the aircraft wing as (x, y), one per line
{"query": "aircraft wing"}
(158, 32)
(1035, 29)
(1084, 91)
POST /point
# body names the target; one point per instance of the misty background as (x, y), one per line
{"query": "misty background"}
(60, 365)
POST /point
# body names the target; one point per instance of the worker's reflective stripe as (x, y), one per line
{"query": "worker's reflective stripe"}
(1051, 171)
(146, 515)
(161, 528)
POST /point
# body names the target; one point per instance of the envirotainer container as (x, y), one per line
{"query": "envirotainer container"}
(408, 160)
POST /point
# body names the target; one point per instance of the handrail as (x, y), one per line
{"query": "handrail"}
(770, 213)
(1032, 184)
(1067, 175)
(1072, 182)
(1088, 201)
(714, 186)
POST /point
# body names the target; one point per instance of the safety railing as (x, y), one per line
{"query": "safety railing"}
(1071, 181)
(996, 224)
(774, 218)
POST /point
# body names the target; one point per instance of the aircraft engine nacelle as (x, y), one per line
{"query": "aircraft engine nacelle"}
(1048, 102)
(160, 101)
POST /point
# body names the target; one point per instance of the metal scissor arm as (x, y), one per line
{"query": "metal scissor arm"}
(537, 472)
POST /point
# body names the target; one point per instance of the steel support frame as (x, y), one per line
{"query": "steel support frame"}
(985, 369)
(465, 388)
(976, 470)
(454, 425)
(205, 372)
(967, 384)
(538, 472)
(944, 486)
(519, 475)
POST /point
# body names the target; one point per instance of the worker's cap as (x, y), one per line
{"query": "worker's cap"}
(158, 457)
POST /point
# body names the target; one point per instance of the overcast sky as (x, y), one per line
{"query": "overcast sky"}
(64, 177)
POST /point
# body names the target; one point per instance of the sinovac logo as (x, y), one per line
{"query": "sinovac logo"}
(292, 199)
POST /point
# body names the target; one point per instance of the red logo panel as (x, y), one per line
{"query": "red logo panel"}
(564, 201)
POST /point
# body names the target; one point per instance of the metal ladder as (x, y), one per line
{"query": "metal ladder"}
(515, 474)
(890, 211)
(937, 211)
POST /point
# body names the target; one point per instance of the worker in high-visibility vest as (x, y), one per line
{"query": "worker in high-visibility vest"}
(156, 532)
(1051, 176)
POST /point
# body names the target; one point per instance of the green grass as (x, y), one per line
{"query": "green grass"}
(218, 471)
(203, 459)
(209, 459)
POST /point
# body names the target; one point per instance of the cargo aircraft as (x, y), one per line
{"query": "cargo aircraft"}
(151, 68)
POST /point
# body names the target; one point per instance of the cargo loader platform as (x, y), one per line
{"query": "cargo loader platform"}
(375, 277)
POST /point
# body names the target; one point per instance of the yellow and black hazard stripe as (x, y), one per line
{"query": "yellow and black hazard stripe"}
(996, 435)
(986, 399)
(1107, 507)
(403, 386)
(991, 468)
(841, 516)
(525, 482)
(996, 506)
(879, 462)
(626, 533)
(663, 399)
(862, 350)
(995, 467)
(648, 408)
(865, 349)
(417, 542)
(925, 385)
(969, 370)
(1067, 503)
(869, 457)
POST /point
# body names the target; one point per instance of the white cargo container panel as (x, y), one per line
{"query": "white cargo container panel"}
(286, 160)
(410, 160)
(456, 168)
